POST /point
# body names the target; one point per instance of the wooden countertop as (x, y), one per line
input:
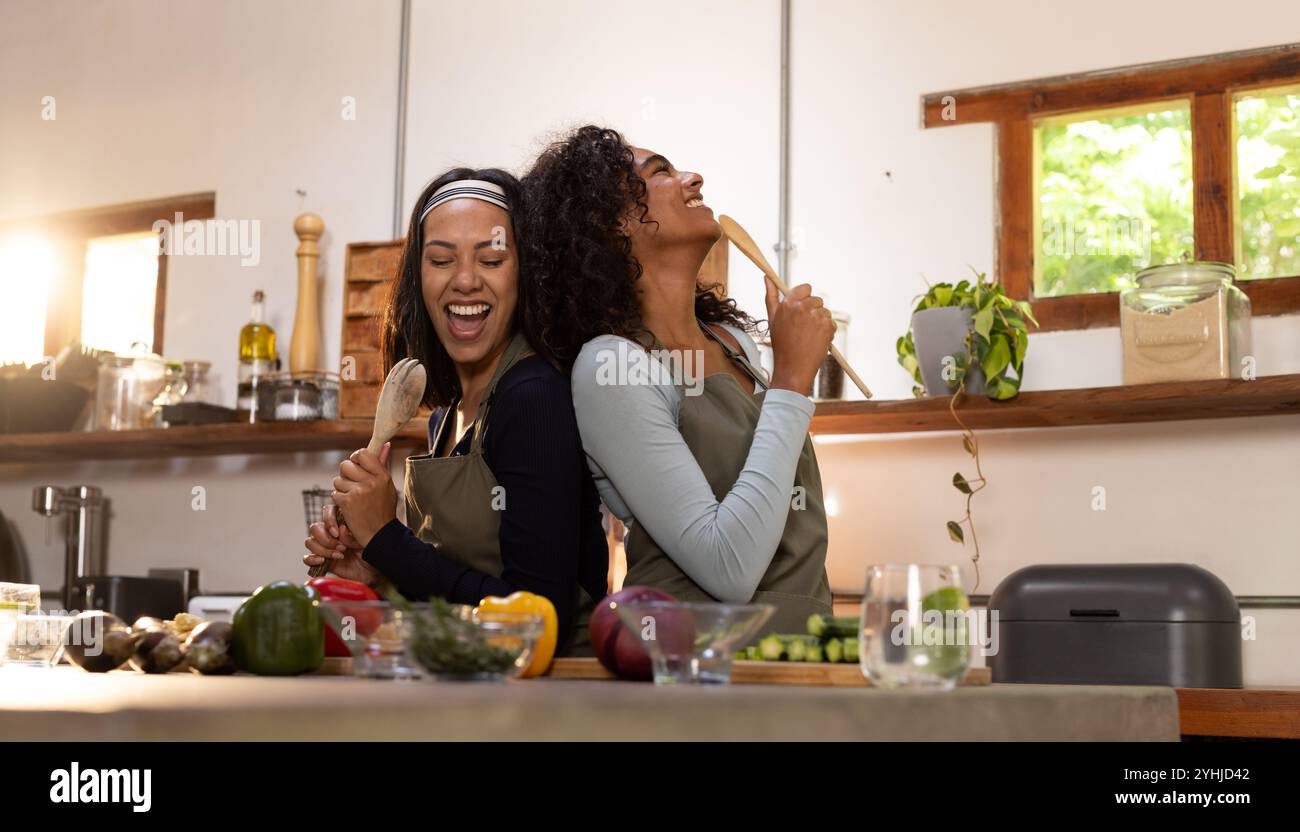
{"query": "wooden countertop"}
(66, 703)
(1250, 712)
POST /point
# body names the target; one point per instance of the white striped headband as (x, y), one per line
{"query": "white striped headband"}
(466, 189)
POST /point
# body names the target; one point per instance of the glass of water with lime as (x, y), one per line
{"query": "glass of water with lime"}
(917, 626)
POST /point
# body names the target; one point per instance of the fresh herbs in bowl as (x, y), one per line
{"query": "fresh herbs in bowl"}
(453, 642)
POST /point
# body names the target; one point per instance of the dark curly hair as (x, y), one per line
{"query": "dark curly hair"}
(581, 274)
(407, 330)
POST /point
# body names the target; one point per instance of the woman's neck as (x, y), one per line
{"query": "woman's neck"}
(667, 294)
(474, 380)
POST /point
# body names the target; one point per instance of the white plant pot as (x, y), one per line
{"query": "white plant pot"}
(939, 334)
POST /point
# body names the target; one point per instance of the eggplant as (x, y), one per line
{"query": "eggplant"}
(98, 642)
(208, 649)
(155, 651)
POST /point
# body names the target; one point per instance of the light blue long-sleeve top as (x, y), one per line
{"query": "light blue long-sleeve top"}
(627, 408)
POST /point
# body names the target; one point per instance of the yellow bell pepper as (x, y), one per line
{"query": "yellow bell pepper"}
(530, 604)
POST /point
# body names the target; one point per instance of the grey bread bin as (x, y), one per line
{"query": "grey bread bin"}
(1117, 624)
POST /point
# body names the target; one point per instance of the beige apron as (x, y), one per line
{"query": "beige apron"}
(718, 426)
(452, 502)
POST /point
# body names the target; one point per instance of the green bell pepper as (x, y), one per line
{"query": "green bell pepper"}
(278, 631)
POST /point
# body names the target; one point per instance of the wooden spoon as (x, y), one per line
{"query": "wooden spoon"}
(740, 239)
(398, 401)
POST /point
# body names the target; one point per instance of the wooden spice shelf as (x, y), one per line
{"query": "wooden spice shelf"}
(1265, 396)
(1164, 402)
(200, 440)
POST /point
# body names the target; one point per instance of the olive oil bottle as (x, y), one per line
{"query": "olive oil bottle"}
(257, 358)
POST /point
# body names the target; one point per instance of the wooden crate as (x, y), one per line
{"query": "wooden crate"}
(368, 273)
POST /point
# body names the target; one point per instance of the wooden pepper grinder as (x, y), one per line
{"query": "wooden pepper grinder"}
(304, 346)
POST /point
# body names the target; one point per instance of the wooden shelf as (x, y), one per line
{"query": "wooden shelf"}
(199, 440)
(1168, 401)
(1268, 395)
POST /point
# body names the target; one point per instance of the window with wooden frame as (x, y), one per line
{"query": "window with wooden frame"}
(1138, 166)
(95, 276)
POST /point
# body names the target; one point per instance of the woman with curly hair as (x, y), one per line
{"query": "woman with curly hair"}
(503, 500)
(708, 462)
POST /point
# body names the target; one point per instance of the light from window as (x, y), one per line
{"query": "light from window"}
(1112, 195)
(118, 292)
(1268, 184)
(27, 267)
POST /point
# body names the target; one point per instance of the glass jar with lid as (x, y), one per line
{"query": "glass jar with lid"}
(125, 389)
(298, 397)
(1185, 322)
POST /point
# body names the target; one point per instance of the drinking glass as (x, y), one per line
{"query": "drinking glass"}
(917, 627)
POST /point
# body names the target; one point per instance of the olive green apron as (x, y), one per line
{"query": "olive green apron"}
(718, 427)
(454, 503)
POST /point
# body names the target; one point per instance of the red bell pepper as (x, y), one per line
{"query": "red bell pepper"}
(340, 589)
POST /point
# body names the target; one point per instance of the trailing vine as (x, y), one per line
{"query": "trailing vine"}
(966, 486)
(995, 346)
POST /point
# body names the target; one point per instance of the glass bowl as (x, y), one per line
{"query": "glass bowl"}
(372, 632)
(456, 643)
(693, 643)
(33, 640)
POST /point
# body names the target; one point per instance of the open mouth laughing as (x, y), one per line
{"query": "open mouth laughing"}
(466, 321)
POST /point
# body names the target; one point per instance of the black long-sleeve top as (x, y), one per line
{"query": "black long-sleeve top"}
(551, 535)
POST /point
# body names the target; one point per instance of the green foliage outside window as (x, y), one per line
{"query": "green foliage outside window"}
(1114, 196)
(1268, 186)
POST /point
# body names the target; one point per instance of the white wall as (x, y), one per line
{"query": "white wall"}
(696, 81)
(1217, 493)
(243, 98)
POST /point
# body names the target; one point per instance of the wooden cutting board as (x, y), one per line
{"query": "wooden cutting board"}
(764, 673)
(821, 674)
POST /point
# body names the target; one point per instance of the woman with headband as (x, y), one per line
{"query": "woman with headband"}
(503, 501)
(708, 461)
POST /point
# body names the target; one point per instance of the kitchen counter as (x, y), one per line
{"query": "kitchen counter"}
(66, 703)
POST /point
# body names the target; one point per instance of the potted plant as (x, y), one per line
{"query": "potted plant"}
(967, 338)
(953, 324)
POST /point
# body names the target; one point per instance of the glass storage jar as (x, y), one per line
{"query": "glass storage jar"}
(829, 381)
(197, 386)
(125, 390)
(299, 397)
(173, 392)
(1185, 322)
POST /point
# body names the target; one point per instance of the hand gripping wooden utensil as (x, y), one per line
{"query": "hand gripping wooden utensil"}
(740, 238)
(398, 401)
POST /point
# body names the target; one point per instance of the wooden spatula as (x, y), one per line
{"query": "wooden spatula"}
(740, 239)
(398, 401)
